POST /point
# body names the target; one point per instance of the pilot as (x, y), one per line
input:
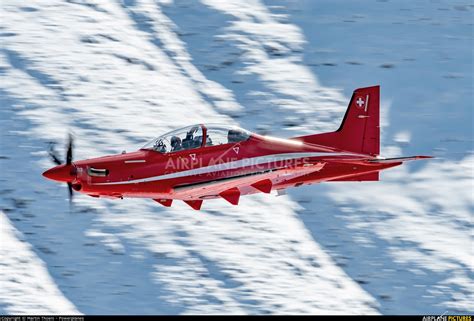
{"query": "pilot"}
(233, 136)
(176, 144)
(208, 141)
(160, 146)
(188, 141)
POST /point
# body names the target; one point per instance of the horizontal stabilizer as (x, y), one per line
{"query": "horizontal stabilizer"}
(398, 159)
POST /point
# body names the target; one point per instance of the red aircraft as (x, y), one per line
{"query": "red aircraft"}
(203, 162)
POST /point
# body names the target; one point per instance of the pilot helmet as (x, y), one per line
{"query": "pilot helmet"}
(175, 141)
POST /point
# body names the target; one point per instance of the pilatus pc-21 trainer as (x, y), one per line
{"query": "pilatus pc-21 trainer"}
(204, 162)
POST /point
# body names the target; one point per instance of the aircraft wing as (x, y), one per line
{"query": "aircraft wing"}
(230, 188)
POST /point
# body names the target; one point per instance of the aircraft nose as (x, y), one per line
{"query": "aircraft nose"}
(61, 173)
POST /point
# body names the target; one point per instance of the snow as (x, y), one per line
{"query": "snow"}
(27, 288)
(117, 74)
(403, 137)
(436, 222)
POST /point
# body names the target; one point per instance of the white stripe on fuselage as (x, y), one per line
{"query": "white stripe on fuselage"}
(252, 161)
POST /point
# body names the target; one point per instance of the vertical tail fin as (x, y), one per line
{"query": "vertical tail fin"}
(360, 128)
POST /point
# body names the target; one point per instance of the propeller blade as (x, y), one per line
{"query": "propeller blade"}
(69, 150)
(56, 171)
(71, 194)
(54, 155)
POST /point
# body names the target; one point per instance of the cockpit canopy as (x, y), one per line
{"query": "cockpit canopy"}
(197, 136)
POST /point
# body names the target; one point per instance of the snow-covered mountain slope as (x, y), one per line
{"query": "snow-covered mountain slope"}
(134, 256)
(117, 73)
(26, 284)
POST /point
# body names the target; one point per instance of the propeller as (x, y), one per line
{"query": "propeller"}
(53, 154)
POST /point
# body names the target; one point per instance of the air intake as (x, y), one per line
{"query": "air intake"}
(97, 172)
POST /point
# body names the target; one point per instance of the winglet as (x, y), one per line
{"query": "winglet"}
(195, 204)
